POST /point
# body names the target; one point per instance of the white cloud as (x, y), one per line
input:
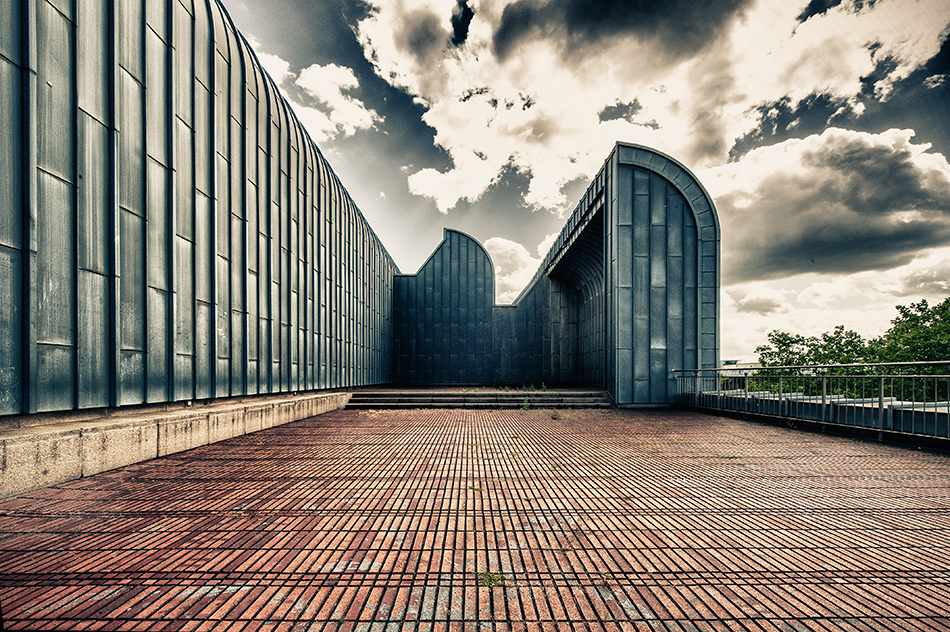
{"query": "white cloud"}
(277, 68)
(693, 103)
(514, 268)
(329, 84)
(825, 294)
(339, 114)
(546, 244)
(864, 302)
(760, 300)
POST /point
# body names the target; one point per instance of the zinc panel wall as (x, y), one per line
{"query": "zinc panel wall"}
(441, 316)
(12, 147)
(664, 311)
(180, 225)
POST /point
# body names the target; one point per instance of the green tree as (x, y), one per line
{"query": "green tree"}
(838, 346)
(785, 349)
(920, 333)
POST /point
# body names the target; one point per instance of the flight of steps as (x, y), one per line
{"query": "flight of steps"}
(492, 399)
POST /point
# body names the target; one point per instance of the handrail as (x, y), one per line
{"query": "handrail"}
(814, 366)
(915, 403)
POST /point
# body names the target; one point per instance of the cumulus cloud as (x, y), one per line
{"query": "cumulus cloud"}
(514, 267)
(761, 300)
(840, 201)
(826, 294)
(926, 275)
(546, 244)
(330, 85)
(336, 112)
(547, 86)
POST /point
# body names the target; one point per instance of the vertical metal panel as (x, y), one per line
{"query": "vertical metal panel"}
(11, 216)
(11, 29)
(203, 139)
(156, 101)
(183, 85)
(157, 369)
(204, 272)
(129, 23)
(203, 347)
(11, 316)
(131, 128)
(55, 273)
(132, 281)
(92, 59)
(55, 94)
(184, 283)
(675, 280)
(184, 180)
(11, 156)
(223, 328)
(94, 239)
(55, 283)
(204, 260)
(156, 16)
(203, 45)
(158, 230)
(28, 122)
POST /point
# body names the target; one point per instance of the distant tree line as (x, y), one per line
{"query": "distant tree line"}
(920, 333)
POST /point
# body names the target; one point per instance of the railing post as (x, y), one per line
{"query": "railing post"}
(880, 408)
(781, 411)
(824, 398)
(746, 380)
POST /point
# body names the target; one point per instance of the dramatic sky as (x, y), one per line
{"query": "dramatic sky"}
(821, 128)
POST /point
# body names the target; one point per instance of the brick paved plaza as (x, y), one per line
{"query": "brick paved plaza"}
(492, 520)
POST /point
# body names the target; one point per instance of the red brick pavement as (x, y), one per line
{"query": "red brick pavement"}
(491, 520)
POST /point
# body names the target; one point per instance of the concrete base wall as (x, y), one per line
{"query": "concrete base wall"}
(38, 451)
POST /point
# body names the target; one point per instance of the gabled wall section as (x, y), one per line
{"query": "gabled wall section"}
(443, 316)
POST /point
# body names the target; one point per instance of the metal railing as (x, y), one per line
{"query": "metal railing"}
(907, 397)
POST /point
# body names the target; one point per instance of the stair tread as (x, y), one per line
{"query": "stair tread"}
(471, 399)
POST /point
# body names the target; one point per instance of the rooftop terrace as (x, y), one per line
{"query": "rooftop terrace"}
(492, 520)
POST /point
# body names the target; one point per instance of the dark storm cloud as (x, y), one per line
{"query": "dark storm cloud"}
(781, 120)
(679, 29)
(851, 206)
(625, 111)
(918, 102)
(462, 16)
(877, 181)
(820, 7)
(817, 7)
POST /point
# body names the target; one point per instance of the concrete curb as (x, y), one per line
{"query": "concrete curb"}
(36, 456)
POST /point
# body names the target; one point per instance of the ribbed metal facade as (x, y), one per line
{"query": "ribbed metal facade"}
(169, 232)
(628, 292)
(167, 229)
(443, 316)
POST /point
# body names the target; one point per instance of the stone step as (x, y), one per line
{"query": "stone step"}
(454, 399)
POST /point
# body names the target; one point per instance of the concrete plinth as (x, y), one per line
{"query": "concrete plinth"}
(41, 450)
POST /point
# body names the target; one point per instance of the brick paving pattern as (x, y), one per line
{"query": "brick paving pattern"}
(492, 520)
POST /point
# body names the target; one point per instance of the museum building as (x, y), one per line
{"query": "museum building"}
(170, 233)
